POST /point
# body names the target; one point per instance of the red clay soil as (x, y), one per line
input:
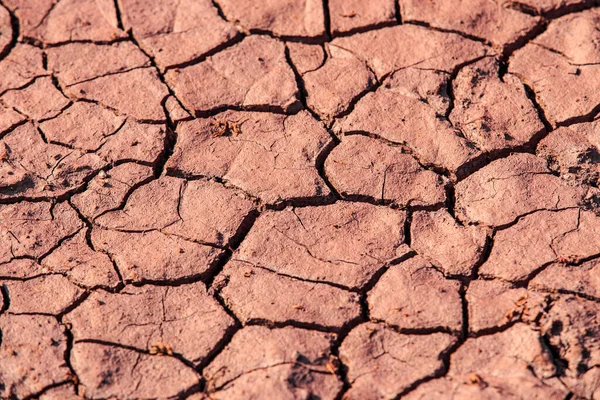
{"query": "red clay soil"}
(299, 199)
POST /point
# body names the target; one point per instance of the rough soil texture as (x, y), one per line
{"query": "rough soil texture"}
(299, 199)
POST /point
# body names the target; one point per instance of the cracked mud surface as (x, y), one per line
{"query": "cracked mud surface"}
(299, 199)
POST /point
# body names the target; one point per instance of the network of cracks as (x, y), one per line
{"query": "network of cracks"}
(299, 199)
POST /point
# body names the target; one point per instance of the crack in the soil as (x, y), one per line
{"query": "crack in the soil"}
(208, 277)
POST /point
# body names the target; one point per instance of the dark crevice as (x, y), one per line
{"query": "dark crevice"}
(58, 244)
(485, 255)
(69, 349)
(522, 8)
(225, 339)
(168, 148)
(524, 282)
(320, 165)
(561, 364)
(449, 86)
(40, 45)
(526, 38)
(158, 73)
(569, 396)
(5, 299)
(540, 111)
(127, 195)
(197, 388)
(494, 329)
(320, 39)
(568, 292)
(118, 15)
(302, 93)
(35, 396)
(569, 9)
(110, 73)
(14, 23)
(398, 11)
(294, 323)
(90, 244)
(317, 200)
(243, 229)
(359, 198)
(266, 108)
(589, 117)
(24, 86)
(219, 9)
(417, 331)
(377, 275)
(451, 200)
(465, 310)
(485, 158)
(12, 128)
(73, 305)
(438, 373)
(552, 13)
(371, 89)
(301, 202)
(520, 217)
(197, 60)
(327, 19)
(407, 226)
(342, 370)
(364, 29)
(205, 276)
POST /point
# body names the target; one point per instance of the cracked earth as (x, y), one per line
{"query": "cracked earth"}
(299, 199)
